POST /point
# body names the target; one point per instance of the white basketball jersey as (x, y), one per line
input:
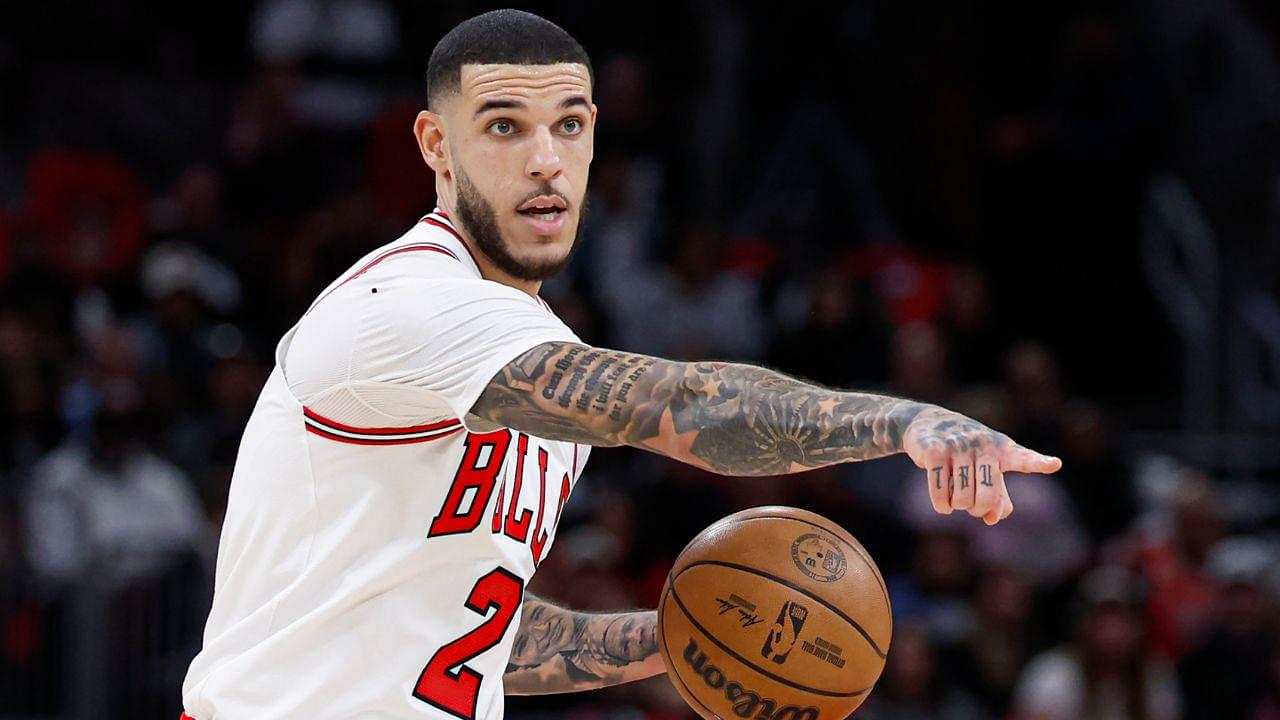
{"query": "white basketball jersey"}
(375, 550)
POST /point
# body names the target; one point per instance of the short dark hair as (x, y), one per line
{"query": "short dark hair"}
(499, 36)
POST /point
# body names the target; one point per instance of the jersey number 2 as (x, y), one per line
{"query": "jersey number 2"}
(457, 691)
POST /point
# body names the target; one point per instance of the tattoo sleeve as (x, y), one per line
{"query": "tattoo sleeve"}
(559, 651)
(729, 418)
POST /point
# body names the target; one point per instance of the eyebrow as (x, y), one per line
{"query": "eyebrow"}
(486, 106)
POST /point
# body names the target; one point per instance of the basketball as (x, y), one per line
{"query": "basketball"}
(774, 613)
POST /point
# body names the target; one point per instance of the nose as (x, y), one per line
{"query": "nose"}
(544, 161)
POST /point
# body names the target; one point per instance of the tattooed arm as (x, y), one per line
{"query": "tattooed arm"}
(728, 418)
(740, 419)
(559, 651)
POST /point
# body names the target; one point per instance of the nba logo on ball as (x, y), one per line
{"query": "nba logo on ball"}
(778, 643)
(818, 557)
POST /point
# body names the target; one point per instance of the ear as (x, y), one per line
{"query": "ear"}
(428, 129)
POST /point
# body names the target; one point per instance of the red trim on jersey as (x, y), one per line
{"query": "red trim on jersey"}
(318, 424)
(379, 431)
(444, 226)
(360, 441)
(416, 247)
(185, 716)
(448, 226)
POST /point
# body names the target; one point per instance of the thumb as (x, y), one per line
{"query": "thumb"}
(1020, 459)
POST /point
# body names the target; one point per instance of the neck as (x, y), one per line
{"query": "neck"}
(488, 270)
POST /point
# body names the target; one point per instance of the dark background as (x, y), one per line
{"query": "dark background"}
(1062, 218)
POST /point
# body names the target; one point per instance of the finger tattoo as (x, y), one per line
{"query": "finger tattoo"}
(986, 475)
(937, 477)
(964, 477)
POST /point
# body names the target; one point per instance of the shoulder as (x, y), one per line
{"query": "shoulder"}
(425, 250)
(63, 466)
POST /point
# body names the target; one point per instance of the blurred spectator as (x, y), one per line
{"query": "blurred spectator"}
(1003, 635)
(842, 341)
(1106, 674)
(976, 343)
(627, 180)
(912, 688)
(918, 366)
(1034, 379)
(1226, 675)
(1093, 474)
(104, 500)
(690, 309)
(1183, 595)
(934, 595)
(204, 442)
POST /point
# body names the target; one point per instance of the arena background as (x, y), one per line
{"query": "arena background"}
(1062, 218)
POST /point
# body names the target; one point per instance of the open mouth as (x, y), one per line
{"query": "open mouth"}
(546, 215)
(542, 213)
(547, 207)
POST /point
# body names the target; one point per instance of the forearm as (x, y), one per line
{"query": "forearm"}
(728, 418)
(739, 419)
(559, 651)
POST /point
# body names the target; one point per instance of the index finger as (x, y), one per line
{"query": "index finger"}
(1019, 459)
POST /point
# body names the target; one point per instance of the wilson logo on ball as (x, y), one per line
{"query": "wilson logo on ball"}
(746, 703)
(818, 557)
(780, 640)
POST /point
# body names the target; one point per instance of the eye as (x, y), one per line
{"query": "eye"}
(502, 127)
(573, 126)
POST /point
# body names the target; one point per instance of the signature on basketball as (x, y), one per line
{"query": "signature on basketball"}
(746, 611)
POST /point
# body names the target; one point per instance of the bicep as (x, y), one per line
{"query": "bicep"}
(575, 393)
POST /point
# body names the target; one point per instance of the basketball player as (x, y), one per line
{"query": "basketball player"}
(405, 468)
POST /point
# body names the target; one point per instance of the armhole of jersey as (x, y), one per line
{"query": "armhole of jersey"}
(379, 428)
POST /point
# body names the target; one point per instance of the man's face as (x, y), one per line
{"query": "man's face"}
(631, 639)
(520, 141)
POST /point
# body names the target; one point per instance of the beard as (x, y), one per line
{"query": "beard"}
(480, 219)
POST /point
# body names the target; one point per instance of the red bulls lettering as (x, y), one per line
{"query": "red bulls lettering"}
(518, 529)
(480, 471)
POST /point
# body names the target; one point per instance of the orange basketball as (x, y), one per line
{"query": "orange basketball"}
(774, 613)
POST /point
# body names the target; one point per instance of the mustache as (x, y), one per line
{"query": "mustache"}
(546, 191)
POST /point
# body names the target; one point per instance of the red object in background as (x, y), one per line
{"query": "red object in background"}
(911, 286)
(90, 210)
(401, 182)
(22, 636)
(751, 255)
(1182, 602)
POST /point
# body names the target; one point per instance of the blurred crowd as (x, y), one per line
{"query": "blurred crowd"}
(938, 205)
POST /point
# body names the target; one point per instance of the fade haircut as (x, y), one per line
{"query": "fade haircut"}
(500, 36)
